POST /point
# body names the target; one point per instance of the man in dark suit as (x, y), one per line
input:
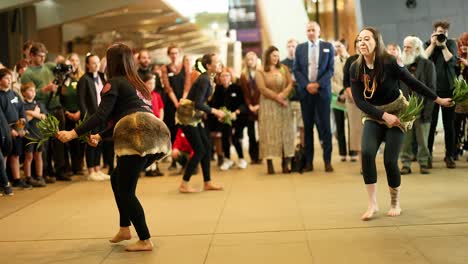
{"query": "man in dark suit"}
(313, 70)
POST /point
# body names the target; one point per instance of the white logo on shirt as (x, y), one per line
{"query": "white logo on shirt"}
(14, 100)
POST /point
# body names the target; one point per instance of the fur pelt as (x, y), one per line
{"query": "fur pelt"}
(141, 133)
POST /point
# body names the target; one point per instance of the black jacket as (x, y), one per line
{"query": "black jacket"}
(87, 97)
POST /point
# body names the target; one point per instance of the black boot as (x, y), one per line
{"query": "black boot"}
(285, 165)
(271, 170)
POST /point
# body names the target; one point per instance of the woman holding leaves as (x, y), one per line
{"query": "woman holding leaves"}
(375, 75)
(275, 120)
(189, 117)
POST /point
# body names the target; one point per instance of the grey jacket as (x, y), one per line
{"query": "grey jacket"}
(425, 73)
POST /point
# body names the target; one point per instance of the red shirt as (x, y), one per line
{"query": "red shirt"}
(156, 103)
(181, 143)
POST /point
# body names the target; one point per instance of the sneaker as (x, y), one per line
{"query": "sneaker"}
(353, 158)
(35, 183)
(173, 166)
(450, 163)
(104, 176)
(242, 164)
(63, 178)
(343, 158)
(7, 190)
(94, 176)
(154, 173)
(49, 179)
(405, 170)
(424, 170)
(21, 184)
(227, 164)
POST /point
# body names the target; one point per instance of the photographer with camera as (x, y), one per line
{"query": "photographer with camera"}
(42, 75)
(443, 53)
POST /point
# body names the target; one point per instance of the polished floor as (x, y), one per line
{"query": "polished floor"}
(259, 218)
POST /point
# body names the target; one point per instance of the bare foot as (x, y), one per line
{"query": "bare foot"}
(183, 188)
(140, 245)
(211, 187)
(394, 211)
(371, 210)
(123, 234)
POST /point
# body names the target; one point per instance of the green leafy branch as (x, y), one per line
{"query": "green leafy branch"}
(413, 110)
(48, 128)
(460, 91)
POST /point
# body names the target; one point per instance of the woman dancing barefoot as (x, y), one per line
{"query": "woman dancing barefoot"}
(375, 76)
(139, 139)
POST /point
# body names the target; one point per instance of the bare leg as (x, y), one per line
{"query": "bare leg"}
(123, 234)
(372, 208)
(15, 166)
(395, 209)
(39, 164)
(28, 157)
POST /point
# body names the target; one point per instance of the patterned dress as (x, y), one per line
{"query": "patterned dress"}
(275, 122)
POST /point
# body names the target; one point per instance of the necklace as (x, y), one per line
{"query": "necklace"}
(368, 91)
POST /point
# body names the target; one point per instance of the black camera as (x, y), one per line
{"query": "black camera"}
(61, 72)
(441, 37)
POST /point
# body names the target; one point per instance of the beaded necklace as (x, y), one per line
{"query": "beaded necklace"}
(368, 91)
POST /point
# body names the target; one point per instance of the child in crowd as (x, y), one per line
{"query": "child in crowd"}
(35, 111)
(158, 110)
(13, 108)
(181, 149)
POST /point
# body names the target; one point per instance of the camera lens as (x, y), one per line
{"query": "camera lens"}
(441, 37)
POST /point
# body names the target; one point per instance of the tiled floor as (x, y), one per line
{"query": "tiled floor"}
(259, 218)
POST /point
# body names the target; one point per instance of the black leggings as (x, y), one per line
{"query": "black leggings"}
(340, 117)
(372, 136)
(253, 143)
(93, 155)
(235, 136)
(124, 182)
(448, 118)
(198, 139)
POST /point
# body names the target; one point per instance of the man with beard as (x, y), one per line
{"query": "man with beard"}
(144, 61)
(415, 60)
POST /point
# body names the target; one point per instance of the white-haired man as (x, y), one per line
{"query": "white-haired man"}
(415, 60)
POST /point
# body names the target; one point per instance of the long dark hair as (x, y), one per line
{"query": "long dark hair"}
(120, 62)
(381, 55)
(267, 59)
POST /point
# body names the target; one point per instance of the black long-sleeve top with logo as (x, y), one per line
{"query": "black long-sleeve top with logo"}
(387, 90)
(118, 99)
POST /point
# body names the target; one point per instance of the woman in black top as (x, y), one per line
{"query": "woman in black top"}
(201, 89)
(140, 138)
(374, 84)
(89, 97)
